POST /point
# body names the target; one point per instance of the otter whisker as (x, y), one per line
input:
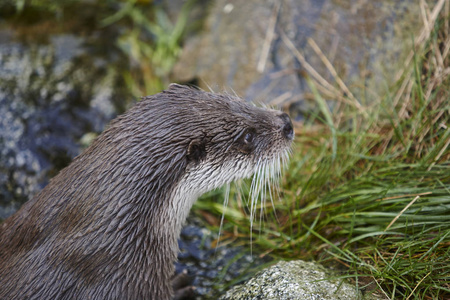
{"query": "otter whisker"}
(225, 205)
(263, 193)
(255, 193)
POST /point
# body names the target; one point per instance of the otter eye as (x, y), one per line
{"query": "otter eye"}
(248, 138)
(246, 141)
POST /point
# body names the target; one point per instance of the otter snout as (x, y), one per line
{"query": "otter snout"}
(286, 127)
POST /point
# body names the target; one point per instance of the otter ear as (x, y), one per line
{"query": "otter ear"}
(196, 151)
(178, 87)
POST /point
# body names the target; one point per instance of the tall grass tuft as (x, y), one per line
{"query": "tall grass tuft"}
(152, 42)
(367, 190)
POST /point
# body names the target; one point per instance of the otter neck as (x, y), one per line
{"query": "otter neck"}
(129, 215)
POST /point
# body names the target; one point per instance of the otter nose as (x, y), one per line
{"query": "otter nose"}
(287, 129)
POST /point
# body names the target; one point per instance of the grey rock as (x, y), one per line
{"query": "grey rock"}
(294, 280)
(238, 49)
(51, 93)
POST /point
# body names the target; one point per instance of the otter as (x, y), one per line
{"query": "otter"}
(106, 226)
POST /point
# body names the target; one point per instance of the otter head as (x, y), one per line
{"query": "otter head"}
(233, 139)
(178, 144)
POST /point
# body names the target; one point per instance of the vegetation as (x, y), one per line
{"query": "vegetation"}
(149, 41)
(367, 189)
(153, 45)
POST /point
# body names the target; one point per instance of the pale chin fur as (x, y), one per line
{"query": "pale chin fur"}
(265, 182)
(206, 177)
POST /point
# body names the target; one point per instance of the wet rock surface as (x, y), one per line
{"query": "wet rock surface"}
(209, 268)
(51, 94)
(240, 48)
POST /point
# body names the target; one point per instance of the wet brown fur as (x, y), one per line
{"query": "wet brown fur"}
(106, 227)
